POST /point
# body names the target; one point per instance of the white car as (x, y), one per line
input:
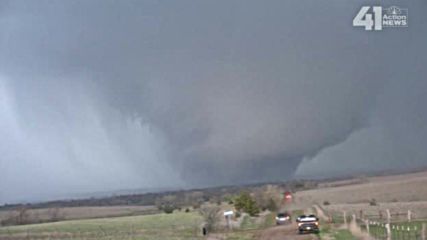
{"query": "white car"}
(283, 218)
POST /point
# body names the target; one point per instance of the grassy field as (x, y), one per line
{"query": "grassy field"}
(343, 234)
(151, 227)
(74, 213)
(176, 226)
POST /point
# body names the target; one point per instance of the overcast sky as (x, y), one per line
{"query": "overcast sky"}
(105, 95)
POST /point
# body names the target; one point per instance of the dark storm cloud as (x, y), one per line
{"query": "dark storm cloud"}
(103, 95)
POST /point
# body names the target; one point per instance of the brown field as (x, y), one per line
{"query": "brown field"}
(398, 193)
(398, 188)
(418, 209)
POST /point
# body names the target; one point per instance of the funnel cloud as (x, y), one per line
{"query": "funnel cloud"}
(104, 95)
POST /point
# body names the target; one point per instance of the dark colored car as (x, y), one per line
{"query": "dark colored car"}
(308, 224)
(283, 218)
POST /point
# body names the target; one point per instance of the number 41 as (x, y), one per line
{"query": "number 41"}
(364, 19)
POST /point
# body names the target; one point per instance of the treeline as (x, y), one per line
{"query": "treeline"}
(183, 197)
(24, 215)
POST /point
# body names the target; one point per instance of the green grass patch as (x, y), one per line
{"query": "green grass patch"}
(149, 227)
(343, 234)
(248, 223)
(325, 228)
(270, 220)
(240, 236)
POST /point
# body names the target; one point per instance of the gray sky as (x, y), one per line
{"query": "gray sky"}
(106, 95)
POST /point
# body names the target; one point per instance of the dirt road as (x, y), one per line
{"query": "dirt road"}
(285, 232)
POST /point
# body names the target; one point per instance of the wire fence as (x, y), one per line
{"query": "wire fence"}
(394, 231)
(385, 225)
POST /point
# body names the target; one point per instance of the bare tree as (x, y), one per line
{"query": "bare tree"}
(55, 214)
(211, 216)
(194, 199)
(267, 197)
(22, 216)
(166, 203)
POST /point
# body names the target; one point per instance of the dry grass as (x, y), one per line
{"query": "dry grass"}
(418, 209)
(398, 188)
(398, 193)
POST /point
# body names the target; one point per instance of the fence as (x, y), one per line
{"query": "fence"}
(394, 231)
(384, 225)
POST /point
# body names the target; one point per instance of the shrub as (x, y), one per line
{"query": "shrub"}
(326, 203)
(196, 205)
(187, 210)
(373, 202)
(228, 198)
(168, 208)
(271, 205)
(210, 216)
(20, 216)
(167, 203)
(245, 203)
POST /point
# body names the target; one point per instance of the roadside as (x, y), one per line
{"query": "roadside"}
(349, 231)
(288, 231)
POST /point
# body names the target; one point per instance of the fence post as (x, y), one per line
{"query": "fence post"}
(367, 225)
(388, 216)
(397, 231)
(387, 231)
(409, 232)
(409, 215)
(345, 217)
(423, 232)
(387, 225)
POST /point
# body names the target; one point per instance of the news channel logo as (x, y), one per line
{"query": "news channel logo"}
(377, 18)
